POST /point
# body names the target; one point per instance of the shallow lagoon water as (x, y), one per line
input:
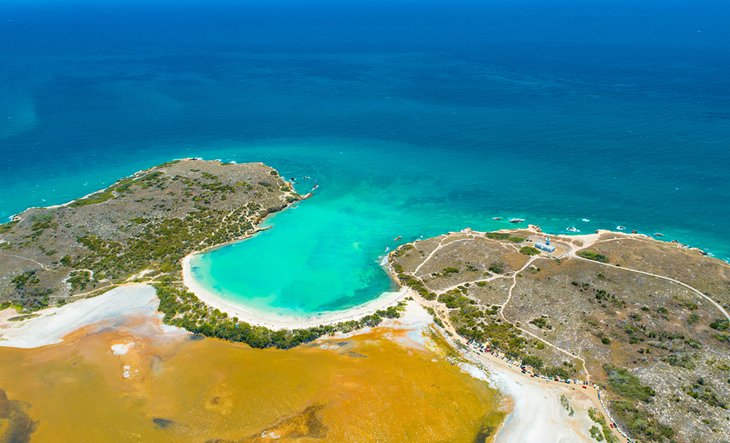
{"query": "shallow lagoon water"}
(323, 254)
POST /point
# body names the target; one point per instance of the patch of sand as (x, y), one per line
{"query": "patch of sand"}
(50, 325)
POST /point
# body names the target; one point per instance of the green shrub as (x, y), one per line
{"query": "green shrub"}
(640, 423)
(6, 227)
(540, 322)
(623, 382)
(700, 391)
(605, 431)
(529, 250)
(497, 267)
(504, 236)
(533, 361)
(183, 309)
(720, 324)
(592, 255)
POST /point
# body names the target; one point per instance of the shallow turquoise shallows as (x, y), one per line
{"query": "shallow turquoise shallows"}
(415, 118)
(323, 254)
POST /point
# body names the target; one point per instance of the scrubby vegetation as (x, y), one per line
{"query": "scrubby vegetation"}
(629, 410)
(640, 423)
(413, 282)
(668, 374)
(497, 268)
(183, 309)
(162, 244)
(123, 185)
(700, 391)
(592, 255)
(505, 236)
(6, 227)
(541, 322)
(474, 321)
(626, 384)
(147, 222)
(604, 433)
(529, 250)
(566, 405)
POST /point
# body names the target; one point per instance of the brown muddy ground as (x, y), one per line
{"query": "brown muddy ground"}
(363, 388)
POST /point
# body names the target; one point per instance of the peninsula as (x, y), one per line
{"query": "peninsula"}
(137, 229)
(643, 319)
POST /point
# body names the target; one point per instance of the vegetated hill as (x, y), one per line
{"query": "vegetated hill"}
(141, 225)
(661, 349)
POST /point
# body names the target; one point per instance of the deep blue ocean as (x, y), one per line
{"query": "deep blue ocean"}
(414, 117)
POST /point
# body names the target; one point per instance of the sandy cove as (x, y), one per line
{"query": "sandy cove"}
(276, 321)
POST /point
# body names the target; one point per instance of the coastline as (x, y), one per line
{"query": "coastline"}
(534, 413)
(524, 398)
(277, 321)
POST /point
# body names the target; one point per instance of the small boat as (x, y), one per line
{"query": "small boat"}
(658, 234)
(397, 238)
(585, 220)
(620, 228)
(572, 229)
(496, 218)
(517, 220)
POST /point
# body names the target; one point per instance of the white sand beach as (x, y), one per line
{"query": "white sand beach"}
(275, 321)
(536, 414)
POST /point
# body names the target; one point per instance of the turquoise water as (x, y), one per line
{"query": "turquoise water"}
(414, 119)
(323, 254)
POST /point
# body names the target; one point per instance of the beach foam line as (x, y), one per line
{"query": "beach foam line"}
(273, 320)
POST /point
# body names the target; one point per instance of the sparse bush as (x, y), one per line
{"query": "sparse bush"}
(592, 255)
(626, 384)
(529, 250)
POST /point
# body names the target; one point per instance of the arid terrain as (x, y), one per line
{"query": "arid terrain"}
(646, 320)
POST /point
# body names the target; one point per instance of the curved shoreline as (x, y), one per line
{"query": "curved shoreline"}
(277, 321)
